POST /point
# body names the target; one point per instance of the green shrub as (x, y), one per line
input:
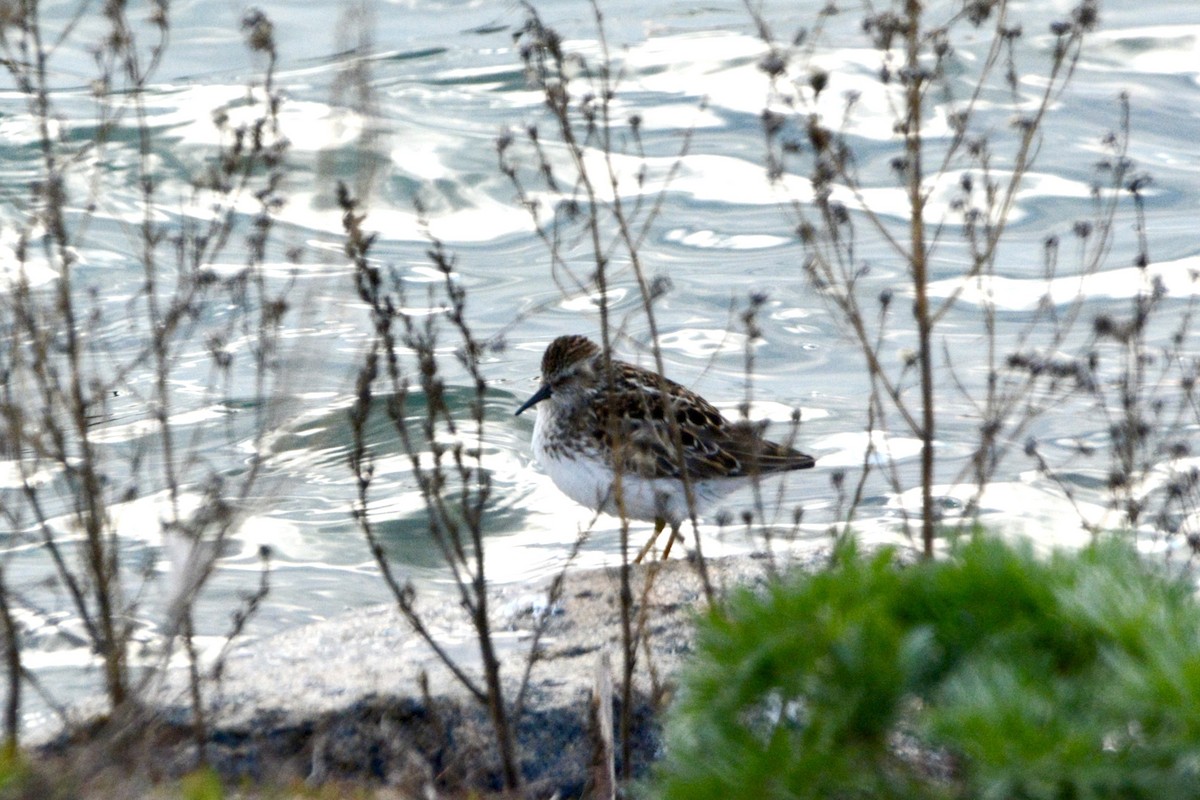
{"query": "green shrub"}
(992, 673)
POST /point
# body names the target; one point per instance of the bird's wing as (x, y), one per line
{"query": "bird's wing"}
(645, 413)
(639, 423)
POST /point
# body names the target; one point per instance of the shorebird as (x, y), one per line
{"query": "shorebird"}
(631, 445)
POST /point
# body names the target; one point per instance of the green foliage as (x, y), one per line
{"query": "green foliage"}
(1073, 676)
(203, 784)
(22, 779)
(13, 770)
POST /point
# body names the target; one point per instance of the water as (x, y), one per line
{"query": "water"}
(445, 80)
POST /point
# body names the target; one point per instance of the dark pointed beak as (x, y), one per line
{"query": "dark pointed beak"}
(538, 396)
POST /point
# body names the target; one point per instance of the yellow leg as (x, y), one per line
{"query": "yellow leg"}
(659, 524)
(674, 535)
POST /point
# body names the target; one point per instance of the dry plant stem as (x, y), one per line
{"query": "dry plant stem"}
(221, 507)
(604, 783)
(1061, 70)
(13, 668)
(558, 101)
(860, 486)
(405, 594)
(62, 374)
(199, 724)
(631, 630)
(243, 614)
(632, 245)
(435, 477)
(360, 463)
(546, 62)
(473, 506)
(639, 634)
(71, 391)
(827, 228)
(628, 636)
(553, 596)
(549, 61)
(918, 263)
(754, 334)
(1014, 400)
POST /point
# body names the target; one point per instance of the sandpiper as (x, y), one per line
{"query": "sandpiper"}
(633, 443)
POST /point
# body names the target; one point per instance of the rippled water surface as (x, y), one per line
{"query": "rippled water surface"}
(445, 81)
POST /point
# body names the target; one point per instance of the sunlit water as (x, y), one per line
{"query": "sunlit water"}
(446, 81)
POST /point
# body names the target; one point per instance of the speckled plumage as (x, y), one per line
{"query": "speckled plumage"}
(585, 435)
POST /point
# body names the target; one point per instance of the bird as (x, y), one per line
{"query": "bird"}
(627, 441)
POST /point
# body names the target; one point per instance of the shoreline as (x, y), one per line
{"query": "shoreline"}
(360, 698)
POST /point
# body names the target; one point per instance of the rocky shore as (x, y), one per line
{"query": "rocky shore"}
(361, 698)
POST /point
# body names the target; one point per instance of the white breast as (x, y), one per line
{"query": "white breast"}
(587, 478)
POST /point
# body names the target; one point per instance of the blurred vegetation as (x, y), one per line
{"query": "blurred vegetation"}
(994, 673)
